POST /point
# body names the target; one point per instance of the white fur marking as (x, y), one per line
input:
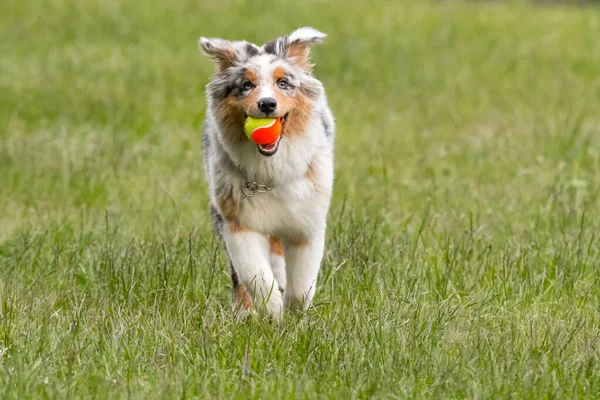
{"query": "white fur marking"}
(306, 34)
(266, 91)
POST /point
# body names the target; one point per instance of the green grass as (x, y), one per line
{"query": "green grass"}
(463, 247)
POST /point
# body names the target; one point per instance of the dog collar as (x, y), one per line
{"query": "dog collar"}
(251, 188)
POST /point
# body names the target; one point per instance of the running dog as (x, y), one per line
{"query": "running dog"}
(269, 203)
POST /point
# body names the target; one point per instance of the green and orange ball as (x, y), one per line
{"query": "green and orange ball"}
(263, 130)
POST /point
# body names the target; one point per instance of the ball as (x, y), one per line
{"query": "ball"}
(263, 130)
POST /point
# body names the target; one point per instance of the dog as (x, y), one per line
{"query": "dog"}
(269, 203)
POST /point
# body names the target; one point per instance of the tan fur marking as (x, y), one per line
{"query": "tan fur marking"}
(229, 209)
(278, 73)
(236, 227)
(251, 76)
(276, 246)
(233, 111)
(228, 206)
(248, 104)
(241, 298)
(232, 116)
(299, 242)
(226, 59)
(300, 55)
(299, 109)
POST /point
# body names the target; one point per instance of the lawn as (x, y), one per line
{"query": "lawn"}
(463, 251)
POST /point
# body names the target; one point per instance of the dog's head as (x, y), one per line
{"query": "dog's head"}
(274, 80)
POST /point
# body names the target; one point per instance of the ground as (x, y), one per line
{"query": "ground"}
(463, 247)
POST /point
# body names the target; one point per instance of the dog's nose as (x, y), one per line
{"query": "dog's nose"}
(267, 105)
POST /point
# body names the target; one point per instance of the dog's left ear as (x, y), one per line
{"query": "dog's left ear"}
(296, 46)
(226, 53)
(220, 50)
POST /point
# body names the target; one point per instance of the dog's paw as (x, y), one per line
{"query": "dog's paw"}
(273, 306)
(298, 303)
(241, 314)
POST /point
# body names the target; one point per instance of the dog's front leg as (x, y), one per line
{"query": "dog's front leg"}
(249, 253)
(303, 261)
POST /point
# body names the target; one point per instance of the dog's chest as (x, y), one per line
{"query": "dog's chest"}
(284, 211)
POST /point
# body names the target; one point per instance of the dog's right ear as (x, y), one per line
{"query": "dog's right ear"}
(220, 50)
(296, 46)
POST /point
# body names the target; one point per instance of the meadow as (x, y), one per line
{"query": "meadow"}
(463, 248)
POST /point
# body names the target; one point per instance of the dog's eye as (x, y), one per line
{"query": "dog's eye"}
(283, 84)
(247, 85)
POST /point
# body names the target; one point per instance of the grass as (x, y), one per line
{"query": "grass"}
(463, 246)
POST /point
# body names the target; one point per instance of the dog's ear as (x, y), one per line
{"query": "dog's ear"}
(226, 53)
(299, 43)
(220, 50)
(296, 46)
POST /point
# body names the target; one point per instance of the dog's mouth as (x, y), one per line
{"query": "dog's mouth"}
(270, 149)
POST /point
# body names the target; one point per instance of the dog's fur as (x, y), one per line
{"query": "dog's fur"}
(275, 239)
